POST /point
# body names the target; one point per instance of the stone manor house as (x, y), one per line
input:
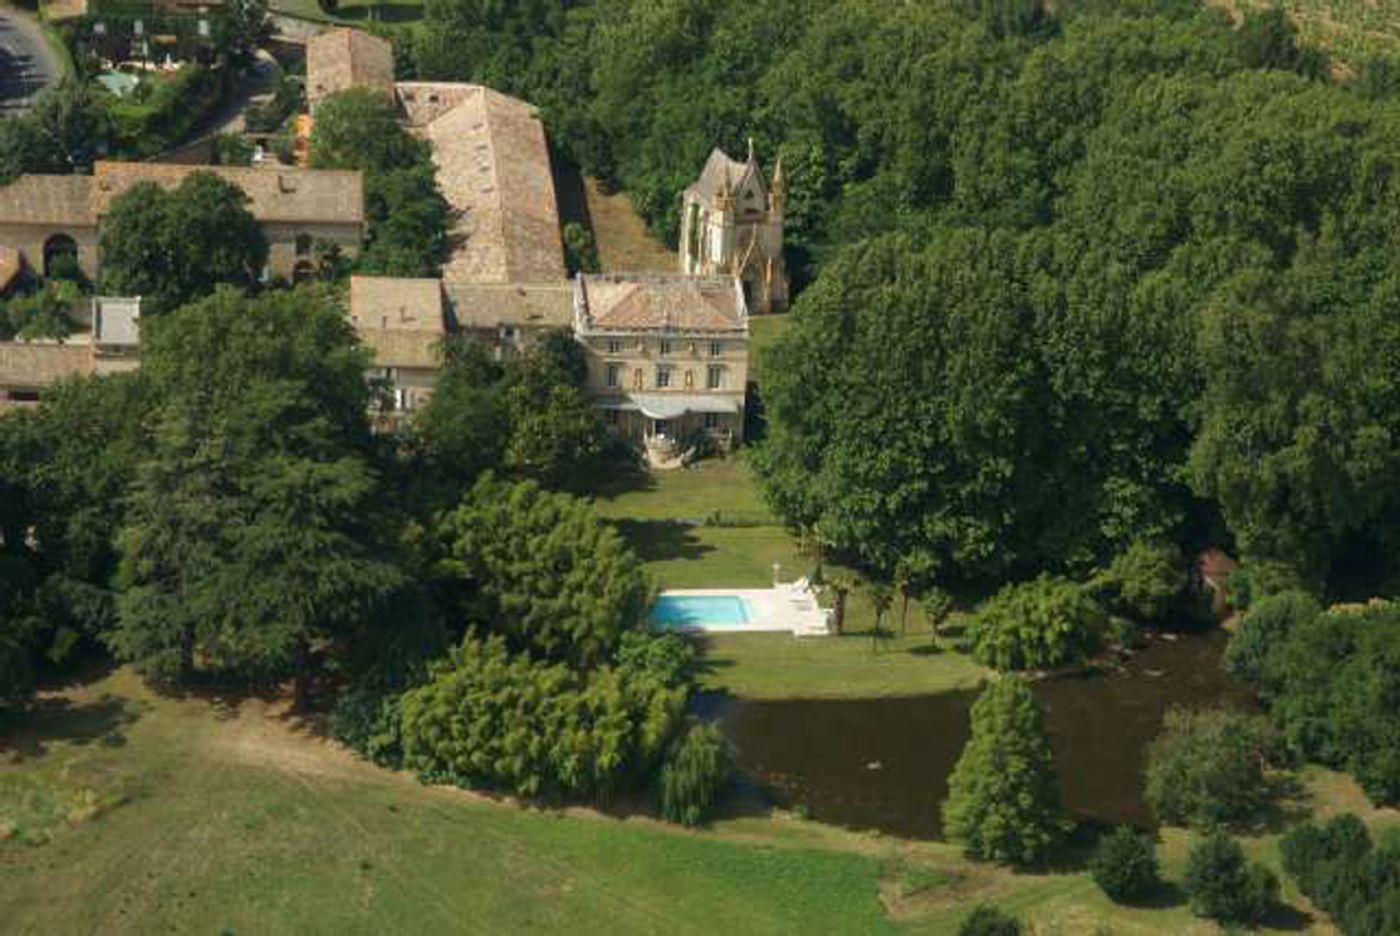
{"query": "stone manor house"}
(667, 352)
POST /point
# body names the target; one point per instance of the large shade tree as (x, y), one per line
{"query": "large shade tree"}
(171, 247)
(254, 534)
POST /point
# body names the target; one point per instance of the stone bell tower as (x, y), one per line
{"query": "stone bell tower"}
(732, 224)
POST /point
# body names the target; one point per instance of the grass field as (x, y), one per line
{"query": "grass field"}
(623, 241)
(125, 812)
(215, 819)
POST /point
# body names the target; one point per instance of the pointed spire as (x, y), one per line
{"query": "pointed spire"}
(751, 149)
(777, 188)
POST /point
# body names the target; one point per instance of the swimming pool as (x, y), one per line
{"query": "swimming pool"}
(699, 612)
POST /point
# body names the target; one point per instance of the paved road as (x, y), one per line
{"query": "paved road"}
(27, 65)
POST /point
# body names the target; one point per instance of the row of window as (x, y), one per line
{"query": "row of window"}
(714, 377)
(667, 346)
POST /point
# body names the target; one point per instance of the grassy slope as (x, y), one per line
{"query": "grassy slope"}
(623, 241)
(208, 816)
(234, 822)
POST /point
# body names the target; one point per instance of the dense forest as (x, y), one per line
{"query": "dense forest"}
(1125, 271)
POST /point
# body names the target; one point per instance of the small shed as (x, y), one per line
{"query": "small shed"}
(1212, 573)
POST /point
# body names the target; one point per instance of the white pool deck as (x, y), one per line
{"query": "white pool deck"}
(787, 607)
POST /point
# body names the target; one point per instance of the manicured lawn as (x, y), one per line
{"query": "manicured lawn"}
(663, 515)
(695, 493)
(776, 666)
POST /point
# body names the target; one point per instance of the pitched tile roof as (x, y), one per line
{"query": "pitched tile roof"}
(58, 200)
(530, 305)
(663, 302)
(348, 58)
(290, 195)
(40, 363)
(493, 168)
(400, 320)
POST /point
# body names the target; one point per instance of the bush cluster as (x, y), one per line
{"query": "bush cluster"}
(1339, 869)
(1046, 623)
(1330, 681)
(1125, 866)
(1224, 887)
(489, 718)
(1145, 583)
(1210, 768)
(986, 920)
(1268, 623)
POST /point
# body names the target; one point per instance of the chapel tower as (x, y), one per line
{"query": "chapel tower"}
(732, 224)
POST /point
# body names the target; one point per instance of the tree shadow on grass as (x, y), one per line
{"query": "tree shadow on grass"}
(624, 479)
(661, 540)
(382, 13)
(225, 694)
(1287, 918)
(57, 719)
(1164, 896)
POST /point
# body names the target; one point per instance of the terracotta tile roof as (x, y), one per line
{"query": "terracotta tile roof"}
(530, 305)
(493, 168)
(333, 196)
(400, 320)
(58, 200)
(34, 364)
(348, 58)
(663, 302)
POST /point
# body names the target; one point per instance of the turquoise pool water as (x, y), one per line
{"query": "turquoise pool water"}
(680, 612)
(118, 82)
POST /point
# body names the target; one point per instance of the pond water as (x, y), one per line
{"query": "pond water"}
(884, 763)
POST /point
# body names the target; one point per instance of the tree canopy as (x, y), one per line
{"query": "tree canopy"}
(251, 532)
(408, 217)
(171, 247)
(1077, 277)
(1003, 800)
(543, 570)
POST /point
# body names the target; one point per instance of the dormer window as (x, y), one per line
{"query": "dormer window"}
(614, 345)
(665, 347)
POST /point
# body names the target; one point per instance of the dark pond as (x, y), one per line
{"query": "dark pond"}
(884, 763)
